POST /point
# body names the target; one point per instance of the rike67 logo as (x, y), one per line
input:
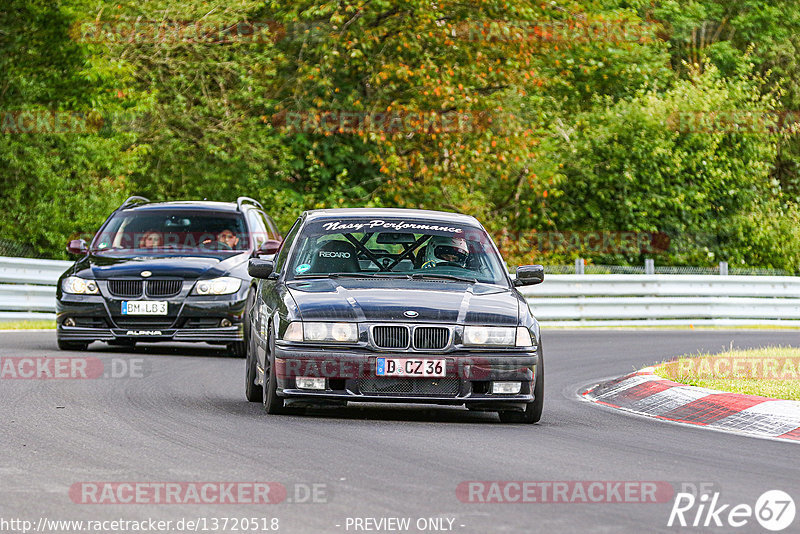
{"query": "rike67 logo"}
(774, 510)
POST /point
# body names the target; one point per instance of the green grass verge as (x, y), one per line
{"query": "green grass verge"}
(769, 371)
(27, 325)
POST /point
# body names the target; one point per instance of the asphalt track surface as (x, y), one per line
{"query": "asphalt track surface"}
(187, 420)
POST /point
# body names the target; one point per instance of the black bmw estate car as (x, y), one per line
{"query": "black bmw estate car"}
(385, 305)
(165, 271)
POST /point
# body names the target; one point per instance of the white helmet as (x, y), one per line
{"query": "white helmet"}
(446, 249)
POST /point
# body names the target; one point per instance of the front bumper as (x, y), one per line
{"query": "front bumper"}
(190, 319)
(351, 376)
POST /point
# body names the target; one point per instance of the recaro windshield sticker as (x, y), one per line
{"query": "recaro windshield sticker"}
(339, 226)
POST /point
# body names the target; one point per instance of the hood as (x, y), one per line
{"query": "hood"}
(376, 300)
(101, 266)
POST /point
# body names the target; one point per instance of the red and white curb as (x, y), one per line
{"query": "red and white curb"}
(648, 394)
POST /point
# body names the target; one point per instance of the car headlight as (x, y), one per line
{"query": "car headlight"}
(79, 286)
(490, 335)
(217, 286)
(322, 332)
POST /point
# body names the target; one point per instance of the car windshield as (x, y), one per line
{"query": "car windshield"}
(164, 230)
(416, 249)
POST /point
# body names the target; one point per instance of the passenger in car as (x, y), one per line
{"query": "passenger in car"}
(150, 239)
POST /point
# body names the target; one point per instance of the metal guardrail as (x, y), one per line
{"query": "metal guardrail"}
(621, 299)
(28, 287)
(27, 291)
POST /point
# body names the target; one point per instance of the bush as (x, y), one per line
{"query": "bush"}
(663, 163)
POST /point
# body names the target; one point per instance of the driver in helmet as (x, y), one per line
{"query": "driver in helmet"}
(442, 250)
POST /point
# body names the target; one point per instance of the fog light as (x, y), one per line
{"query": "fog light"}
(225, 322)
(69, 322)
(310, 383)
(506, 388)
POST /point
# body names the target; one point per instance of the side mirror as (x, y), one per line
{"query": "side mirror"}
(270, 246)
(528, 275)
(77, 246)
(260, 268)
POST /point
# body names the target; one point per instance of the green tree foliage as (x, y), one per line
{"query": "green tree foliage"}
(532, 116)
(765, 33)
(659, 163)
(52, 184)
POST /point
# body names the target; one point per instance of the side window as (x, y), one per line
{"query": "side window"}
(258, 232)
(272, 229)
(283, 253)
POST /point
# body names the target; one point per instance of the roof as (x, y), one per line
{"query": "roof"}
(395, 213)
(186, 204)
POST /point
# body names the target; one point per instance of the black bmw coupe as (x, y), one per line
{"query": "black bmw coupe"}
(386, 305)
(165, 271)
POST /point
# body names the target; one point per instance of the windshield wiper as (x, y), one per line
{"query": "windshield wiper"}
(432, 276)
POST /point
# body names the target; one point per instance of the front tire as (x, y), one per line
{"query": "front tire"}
(252, 391)
(239, 349)
(533, 411)
(273, 404)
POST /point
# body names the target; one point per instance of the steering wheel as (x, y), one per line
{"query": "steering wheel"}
(216, 245)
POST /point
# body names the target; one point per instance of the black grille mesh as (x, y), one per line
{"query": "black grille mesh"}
(409, 386)
(391, 337)
(125, 288)
(153, 288)
(163, 288)
(434, 338)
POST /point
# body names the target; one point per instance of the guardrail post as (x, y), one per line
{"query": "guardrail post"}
(579, 266)
(723, 268)
(649, 266)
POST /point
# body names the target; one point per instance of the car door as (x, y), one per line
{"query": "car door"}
(272, 295)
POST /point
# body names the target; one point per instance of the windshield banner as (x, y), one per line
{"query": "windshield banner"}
(349, 226)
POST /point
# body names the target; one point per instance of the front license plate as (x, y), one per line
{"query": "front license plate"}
(409, 367)
(144, 307)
